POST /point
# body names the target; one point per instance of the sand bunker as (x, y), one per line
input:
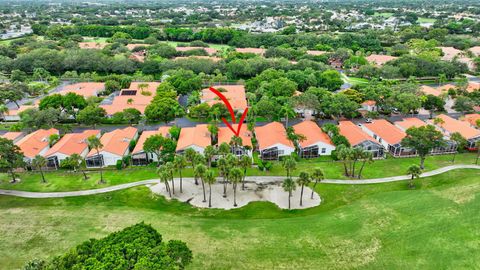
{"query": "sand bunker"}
(272, 192)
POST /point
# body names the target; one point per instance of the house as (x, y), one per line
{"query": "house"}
(475, 50)
(472, 119)
(428, 90)
(92, 45)
(273, 142)
(369, 106)
(451, 125)
(14, 114)
(196, 138)
(258, 51)
(235, 94)
(116, 145)
(69, 144)
(389, 136)
(13, 136)
(316, 142)
(449, 53)
(85, 89)
(138, 96)
(36, 143)
(473, 86)
(358, 138)
(210, 51)
(139, 156)
(225, 135)
(379, 59)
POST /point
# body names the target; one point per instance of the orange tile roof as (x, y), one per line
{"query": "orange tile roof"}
(314, 52)
(475, 50)
(354, 134)
(452, 125)
(17, 111)
(428, 90)
(225, 135)
(134, 45)
(271, 134)
(385, 130)
(446, 87)
(198, 135)
(235, 94)
(312, 132)
(72, 143)
(139, 101)
(449, 53)
(86, 89)
(32, 144)
(407, 123)
(207, 49)
(472, 119)
(92, 45)
(369, 103)
(12, 135)
(473, 86)
(148, 133)
(116, 141)
(379, 59)
(259, 51)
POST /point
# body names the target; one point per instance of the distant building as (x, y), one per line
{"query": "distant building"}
(36, 143)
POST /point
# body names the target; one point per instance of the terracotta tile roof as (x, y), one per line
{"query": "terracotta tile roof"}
(207, 49)
(198, 135)
(472, 119)
(385, 130)
(449, 53)
(314, 52)
(259, 51)
(312, 132)
(452, 125)
(72, 143)
(354, 134)
(379, 59)
(475, 50)
(369, 103)
(271, 134)
(428, 90)
(235, 94)
(92, 45)
(137, 57)
(407, 123)
(116, 141)
(22, 108)
(446, 87)
(134, 45)
(139, 101)
(86, 89)
(12, 135)
(225, 135)
(147, 133)
(473, 86)
(212, 58)
(32, 144)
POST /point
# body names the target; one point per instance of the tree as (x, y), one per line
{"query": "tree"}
(154, 144)
(245, 162)
(477, 145)
(77, 162)
(210, 179)
(95, 143)
(131, 115)
(163, 109)
(460, 142)
(423, 140)
(180, 163)
(287, 111)
(366, 157)
(289, 186)
(39, 162)
(213, 129)
(199, 172)
(289, 164)
(433, 103)
(209, 153)
(91, 115)
(235, 175)
(164, 176)
(224, 149)
(415, 171)
(331, 79)
(302, 180)
(136, 247)
(344, 154)
(11, 157)
(317, 176)
(170, 168)
(463, 104)
(52, 139)
(223, 167)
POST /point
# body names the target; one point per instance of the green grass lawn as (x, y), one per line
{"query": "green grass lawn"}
(385, 15)
(68, 181)
(354, 80)
(211, 45)
(426, 20)
(383, 226)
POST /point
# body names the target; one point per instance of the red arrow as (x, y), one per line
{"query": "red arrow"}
(232, 113)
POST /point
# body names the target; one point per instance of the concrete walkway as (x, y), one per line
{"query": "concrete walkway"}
(255, 179)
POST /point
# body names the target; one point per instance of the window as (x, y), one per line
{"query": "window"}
(324, 150)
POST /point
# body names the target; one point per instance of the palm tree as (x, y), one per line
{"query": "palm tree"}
(209, 153)
(287, 111)
(342, 154)
(235, 142)
(213, 129)
(209, 178)
(199, 172)
(224, 149)
(39, 162)
(460, 142)
(170, 167)
(289, 186)
(477, 145)
(235, 176)
(302, 180)
(190, 156)
(415, 171)
(357, 154)
(3, 109)
(289, 164)
(245, 162)
(366, 157)
(78, 163)
(95, 143)
(164, 177)
(197, 159)
(222, 165)
(317, 176)
(180, 163)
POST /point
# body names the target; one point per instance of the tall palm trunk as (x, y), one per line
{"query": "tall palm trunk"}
(243, 180)
(204, 196)
(168, 189)
(173, 184)
(12, 173)
(301, 196)
(224, 187)
(289, 195)
(422, 162)
(454, 155)
(181, 181)
(361, 169)
(101, 172)
(313, 188)
(353, 168)
(210, 195)
(345, 167)
(43, 176)
(235, 194)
